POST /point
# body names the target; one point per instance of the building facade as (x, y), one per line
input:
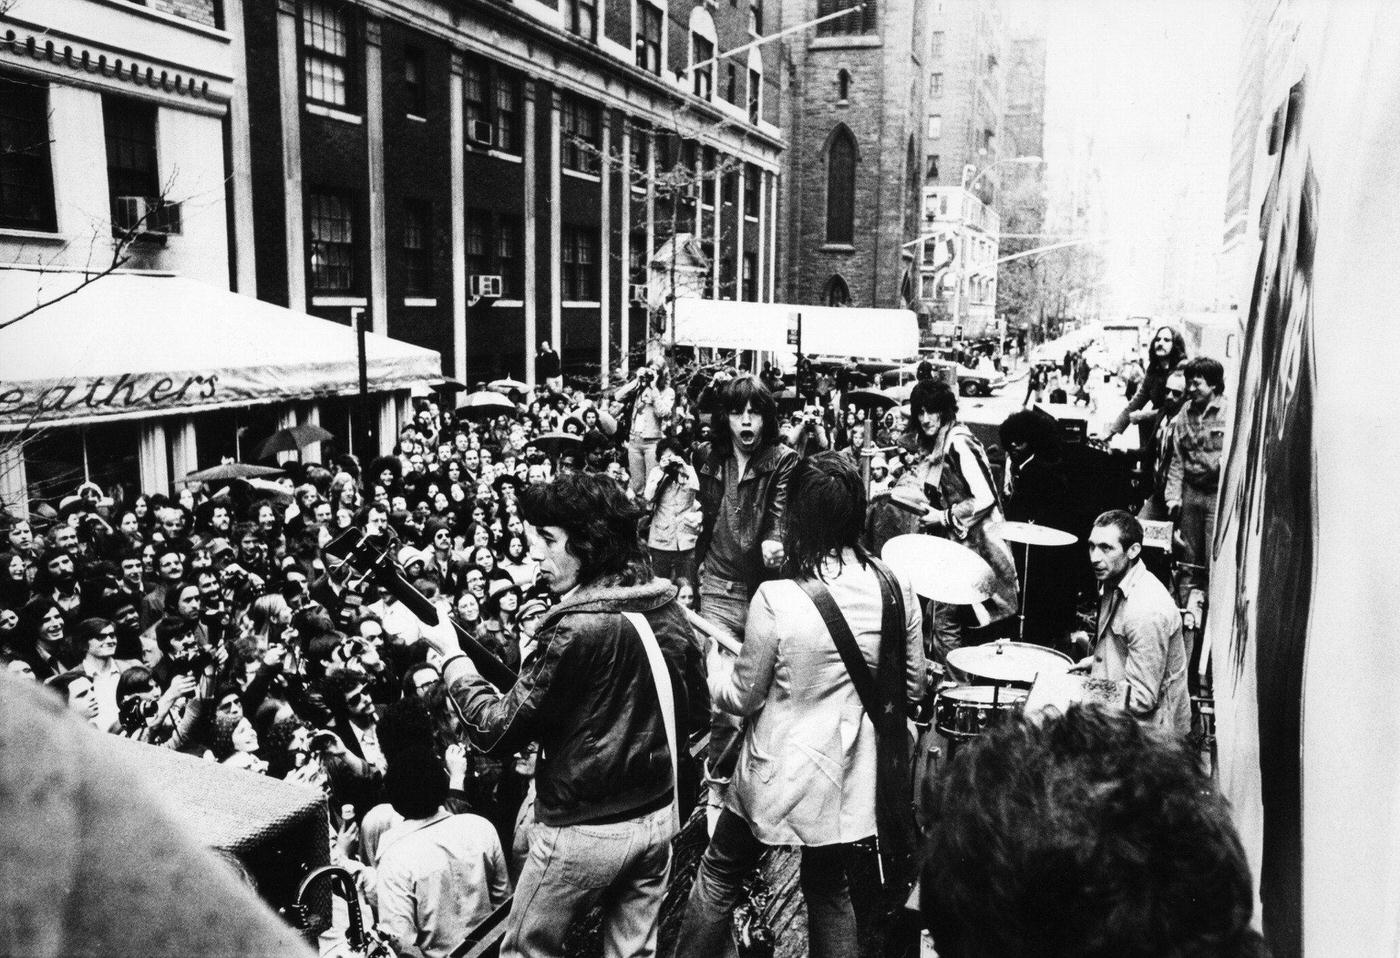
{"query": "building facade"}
(853, 129)
(966, 94)
(482, 177)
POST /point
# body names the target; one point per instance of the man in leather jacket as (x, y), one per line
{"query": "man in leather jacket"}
(589, 697)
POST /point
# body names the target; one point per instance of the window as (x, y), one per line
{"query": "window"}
(491, 106)
(935, 46)
(331, 222)
(726, 277)
(931, 168)
(837, 292)
(751, 182)
(749, 293)
(583, 18)
(935, 125)
(755, 96)
(130, 130)
(843, 85)
(415, 89)
(417, 248)
(637, 257)
(756, 17)
(325, 41)
(478, 243)
(729, 189)
(580, 264)
(578, 134)
(935, 84)
(26, 175)
(841, 187)
(731, 83)
(857, 22)
(702, 52)
(648, 38)
(508, 263)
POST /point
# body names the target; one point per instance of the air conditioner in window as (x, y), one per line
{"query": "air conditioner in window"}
(146, 215)
(639, 294)
(484, 287)
(690, 192)
(481, 133)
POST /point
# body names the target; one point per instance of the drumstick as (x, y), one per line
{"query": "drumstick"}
(723, 636)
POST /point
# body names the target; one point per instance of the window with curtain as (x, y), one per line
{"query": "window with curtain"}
(841, 187)
(578, 135)
(331, 219)
(648, 39)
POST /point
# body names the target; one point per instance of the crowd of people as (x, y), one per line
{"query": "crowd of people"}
(565, 539)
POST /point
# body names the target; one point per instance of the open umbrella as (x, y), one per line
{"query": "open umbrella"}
(293, 437)
(231, 470)
(265, 489)
(554, 443)
(870, 399)
(484, 405)
(508, 386)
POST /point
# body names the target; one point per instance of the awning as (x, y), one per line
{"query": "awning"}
(130, 345)
(826, 330)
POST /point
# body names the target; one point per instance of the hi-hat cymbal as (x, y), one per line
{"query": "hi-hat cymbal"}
(940, 570)
(1005, 661)
(1036, 535)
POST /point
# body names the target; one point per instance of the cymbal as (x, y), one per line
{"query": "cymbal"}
(939, 569)
(1036, 535)
(1006, 661)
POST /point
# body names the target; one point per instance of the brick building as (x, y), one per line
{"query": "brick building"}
(966, 92)
(485, 176)
(854, 135)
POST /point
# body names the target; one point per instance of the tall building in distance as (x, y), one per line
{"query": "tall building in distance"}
(853, 164)
(484, 176)
(966, 87)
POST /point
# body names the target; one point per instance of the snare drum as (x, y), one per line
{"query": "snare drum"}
(966, 711)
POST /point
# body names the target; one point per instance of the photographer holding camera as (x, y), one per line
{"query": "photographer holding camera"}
(650, 400)
(807, 433)
(672, 494)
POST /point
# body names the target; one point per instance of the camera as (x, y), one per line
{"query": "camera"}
(135, 711)
(191, 661)
(645, 377)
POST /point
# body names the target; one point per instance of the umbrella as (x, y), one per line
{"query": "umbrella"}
(485, 405)
(231, 470)
(294, 437)
(870, 399)
(264, 489)
(554, 443)
(508, 386)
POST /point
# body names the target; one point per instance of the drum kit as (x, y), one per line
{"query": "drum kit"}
(985, 684)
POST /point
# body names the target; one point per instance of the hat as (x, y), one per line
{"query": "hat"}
(500, 586)
(878, 462)
(409, 555)
(218, 547)
(529, 609)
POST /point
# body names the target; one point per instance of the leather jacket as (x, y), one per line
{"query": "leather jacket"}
(589, 700)
(762, 496)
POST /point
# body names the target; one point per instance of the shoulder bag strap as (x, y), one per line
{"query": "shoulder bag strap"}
(662, 678)
(845, 644)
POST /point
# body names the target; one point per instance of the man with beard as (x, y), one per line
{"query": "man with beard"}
(60, 581)
(1155, 506)
(1166, 352)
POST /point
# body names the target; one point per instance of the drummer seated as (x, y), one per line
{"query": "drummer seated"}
(1083, 833)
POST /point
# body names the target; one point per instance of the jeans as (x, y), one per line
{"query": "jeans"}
(730, 858)
(726, 604)
(570, 869)
(641, 460)
(1197, 531)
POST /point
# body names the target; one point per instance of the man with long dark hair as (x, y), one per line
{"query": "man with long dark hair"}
(810, 762)
(744, 475)
(591, 699)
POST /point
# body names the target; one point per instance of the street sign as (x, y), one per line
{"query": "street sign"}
(794, 333)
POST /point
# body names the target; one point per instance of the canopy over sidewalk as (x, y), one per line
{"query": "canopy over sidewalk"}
(890, 334)
(131, 345)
